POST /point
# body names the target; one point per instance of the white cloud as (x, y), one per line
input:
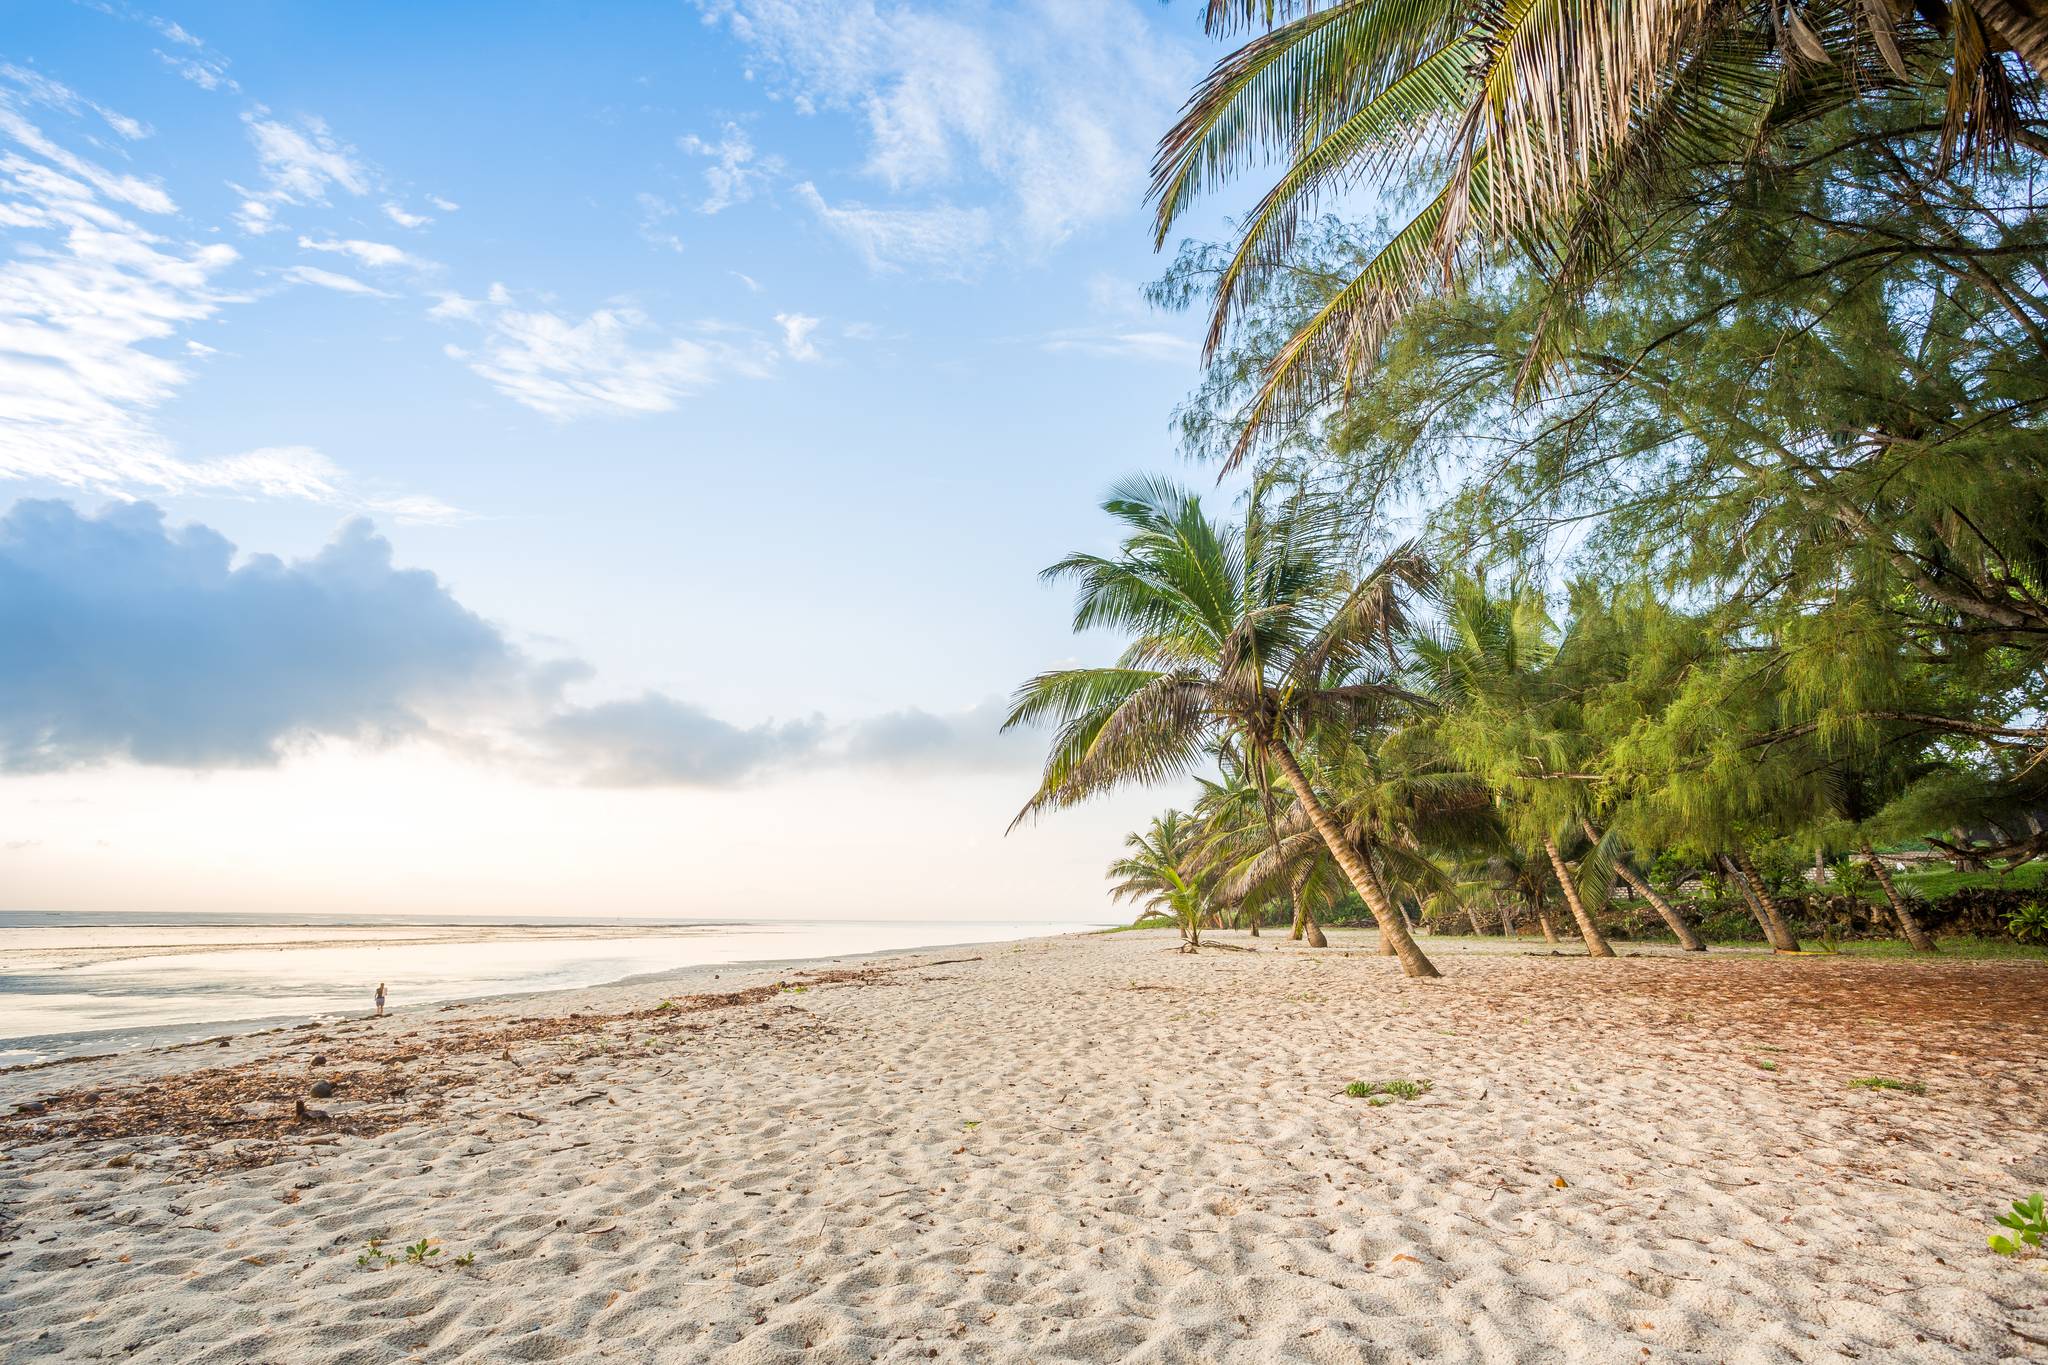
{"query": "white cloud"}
(445, 205)
(86, 295)
(136, 192)
(41, 89)
(941, 240)
(655, 212)
(397, 213)
(612, 363)
(206, 72)
(376, 255)
(175, 32)
(254, 216)
(300, 163)
(1123, 343)
(453, 306)
(796, 335)
(328, 279)
(1049, 106)
(735, 173)
(92, 305)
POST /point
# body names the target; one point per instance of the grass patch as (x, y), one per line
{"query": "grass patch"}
(1932, 885)
(1379, 1092)
(1962, 947)
(1887, 1083)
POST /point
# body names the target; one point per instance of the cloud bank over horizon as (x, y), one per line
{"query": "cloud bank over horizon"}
(133, 640)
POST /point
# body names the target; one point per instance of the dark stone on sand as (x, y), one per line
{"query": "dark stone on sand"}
(31, 1107)
(322, 1089)
(319, 1060)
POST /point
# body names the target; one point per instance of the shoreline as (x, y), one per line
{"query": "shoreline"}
(148, 1037)
(1083, 1148)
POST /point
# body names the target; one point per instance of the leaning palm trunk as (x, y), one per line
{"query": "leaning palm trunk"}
(1305, 926)
(1596, 942)
(1386, 948)
(1687, 939)
(1909, 924)
(1393, 926)
(1766, 899)
(1543, 920)
(1776, 932)
(1506, 911)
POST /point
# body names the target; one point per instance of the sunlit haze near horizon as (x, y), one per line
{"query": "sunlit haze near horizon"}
(460, 460)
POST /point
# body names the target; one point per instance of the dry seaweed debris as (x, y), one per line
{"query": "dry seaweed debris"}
(247, 1113)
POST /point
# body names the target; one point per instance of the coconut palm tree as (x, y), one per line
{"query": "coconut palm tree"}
(1161, 873)
(1234, 627)
(1548, 126)
(1487, 666)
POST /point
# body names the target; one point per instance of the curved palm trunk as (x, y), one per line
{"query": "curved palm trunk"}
(1767, 900)
(1909, 924)
(1313, 930)
(1386, 948)
(1392, 925)
(1687, 939)
(1776, 932)
(1305, 926)
(1543, 920)
(1506, 910)
(1596, 942)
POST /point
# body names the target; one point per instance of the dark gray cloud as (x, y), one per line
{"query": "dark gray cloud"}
(122, 637)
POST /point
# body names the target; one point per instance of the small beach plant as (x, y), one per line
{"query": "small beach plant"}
(2028, 1222)
(1397, 1089)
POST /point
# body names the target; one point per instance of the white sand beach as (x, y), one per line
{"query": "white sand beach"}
(1076, 1149)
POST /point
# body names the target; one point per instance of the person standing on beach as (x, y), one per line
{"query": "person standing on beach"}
(380, 999)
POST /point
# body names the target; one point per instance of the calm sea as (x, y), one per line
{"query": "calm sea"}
(99, 983)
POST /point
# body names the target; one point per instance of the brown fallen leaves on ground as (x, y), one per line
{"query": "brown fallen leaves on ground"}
(246, 1114)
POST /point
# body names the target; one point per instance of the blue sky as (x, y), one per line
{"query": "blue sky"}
(714, 378)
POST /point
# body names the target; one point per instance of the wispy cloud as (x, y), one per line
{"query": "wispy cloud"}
(41, 89)
(614, 362)
(735, 172)
(329, 279)
(90, 300)
(796, 335)
(400, 215)
(1123, 343)
(1125, 327)
(300, 164)
(656, 214)
(376, 255)
(941, 240)
(1046, 108)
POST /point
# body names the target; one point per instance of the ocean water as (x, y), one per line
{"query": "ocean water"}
(101, 983)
